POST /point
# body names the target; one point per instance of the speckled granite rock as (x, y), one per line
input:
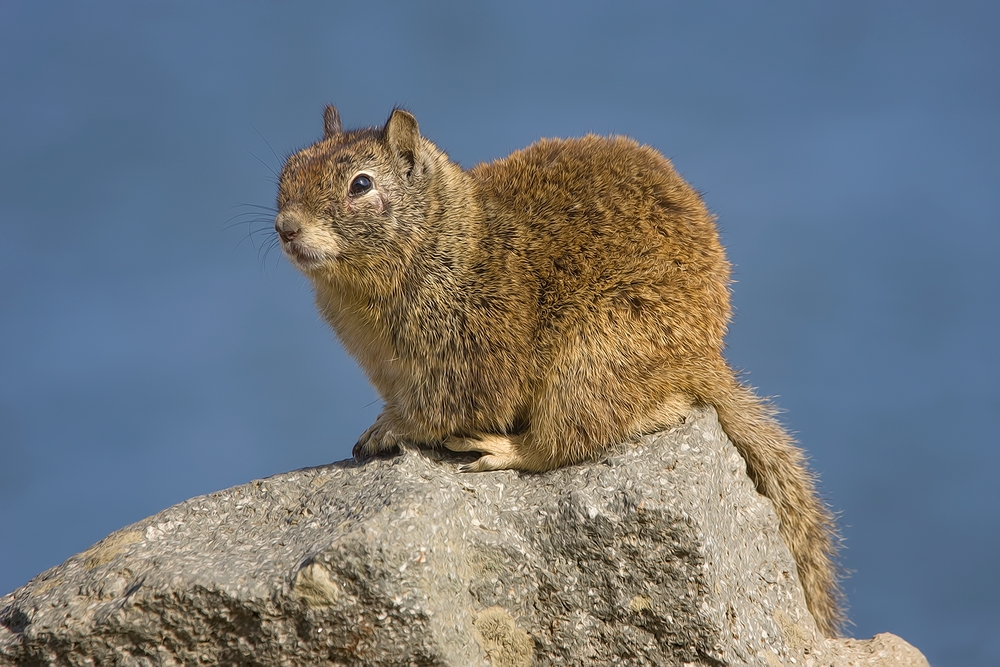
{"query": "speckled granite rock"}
(662, 554)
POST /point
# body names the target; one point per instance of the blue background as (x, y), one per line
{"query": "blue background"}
(149, 353)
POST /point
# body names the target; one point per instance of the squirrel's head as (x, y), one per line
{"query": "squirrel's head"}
(354, 203)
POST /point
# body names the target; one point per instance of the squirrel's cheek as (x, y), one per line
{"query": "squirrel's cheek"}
(374, 202)
(379, 202)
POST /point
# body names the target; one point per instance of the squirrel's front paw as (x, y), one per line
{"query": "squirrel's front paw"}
(380, 438)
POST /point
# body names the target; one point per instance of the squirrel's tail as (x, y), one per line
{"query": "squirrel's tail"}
(778, 468)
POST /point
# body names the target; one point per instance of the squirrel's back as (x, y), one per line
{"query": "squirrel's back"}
(607, 219)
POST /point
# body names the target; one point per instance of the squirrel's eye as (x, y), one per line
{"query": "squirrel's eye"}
(360, 185)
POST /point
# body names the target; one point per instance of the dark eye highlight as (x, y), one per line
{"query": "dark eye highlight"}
(361, 184)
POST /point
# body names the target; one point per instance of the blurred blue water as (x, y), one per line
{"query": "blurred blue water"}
(148, 353)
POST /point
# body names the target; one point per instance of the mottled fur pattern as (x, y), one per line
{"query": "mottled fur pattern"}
(536, 309)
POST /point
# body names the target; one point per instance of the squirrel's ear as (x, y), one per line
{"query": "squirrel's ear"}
(402, 135)
(331, 122)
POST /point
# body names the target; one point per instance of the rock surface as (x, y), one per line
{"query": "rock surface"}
(661, 554)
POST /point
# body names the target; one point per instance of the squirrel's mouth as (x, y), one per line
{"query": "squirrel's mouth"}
(304, 242)
(304, 257)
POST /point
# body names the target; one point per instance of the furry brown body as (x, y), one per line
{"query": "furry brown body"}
(537, 309)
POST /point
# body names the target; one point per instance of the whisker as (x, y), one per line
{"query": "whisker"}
(266, 165)
(259, 219)
(266, 142)
(251, 223)
(267, 248)
(252, 234)
(265, 208)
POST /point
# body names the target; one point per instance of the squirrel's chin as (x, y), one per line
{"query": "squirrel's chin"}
(306, 259)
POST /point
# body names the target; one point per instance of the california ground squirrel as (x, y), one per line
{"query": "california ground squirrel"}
(536, 309)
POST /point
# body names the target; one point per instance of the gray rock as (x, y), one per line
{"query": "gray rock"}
(661, 554)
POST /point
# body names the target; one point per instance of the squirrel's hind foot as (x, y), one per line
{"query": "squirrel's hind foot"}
(499, 452)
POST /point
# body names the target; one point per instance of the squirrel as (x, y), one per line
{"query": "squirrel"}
(537, 309)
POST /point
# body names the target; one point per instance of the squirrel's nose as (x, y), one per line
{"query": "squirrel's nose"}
(287, 225)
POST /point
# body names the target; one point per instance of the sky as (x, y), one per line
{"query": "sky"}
(154, 347)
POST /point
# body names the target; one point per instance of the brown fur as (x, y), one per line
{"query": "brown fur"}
(536, 309)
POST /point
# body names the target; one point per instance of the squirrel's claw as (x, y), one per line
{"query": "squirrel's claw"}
(380, 438)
